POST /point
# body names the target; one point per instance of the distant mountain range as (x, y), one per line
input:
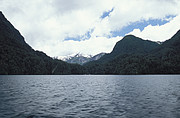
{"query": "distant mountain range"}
(81, 59)
(131, 55)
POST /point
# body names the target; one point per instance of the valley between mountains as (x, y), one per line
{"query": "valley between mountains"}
(131, 55)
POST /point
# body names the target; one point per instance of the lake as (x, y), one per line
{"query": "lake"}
(90, 96)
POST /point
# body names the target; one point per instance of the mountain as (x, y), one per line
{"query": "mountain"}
(97, 57)
(17, 57)
(133, 55)
(130, 45)
(170, 46)
(82, 59)
(77, 59)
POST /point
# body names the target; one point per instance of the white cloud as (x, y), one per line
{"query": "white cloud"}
(91, 47)
(159, 33)
(46, 23)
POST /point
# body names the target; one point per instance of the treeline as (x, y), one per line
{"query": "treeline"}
(17, 57)
(131, 55)
(34, 63)
(128, 57)
(137, 64)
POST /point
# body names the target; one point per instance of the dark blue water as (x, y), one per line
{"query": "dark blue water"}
(90, 96)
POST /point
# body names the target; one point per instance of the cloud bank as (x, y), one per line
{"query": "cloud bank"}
(48, 24)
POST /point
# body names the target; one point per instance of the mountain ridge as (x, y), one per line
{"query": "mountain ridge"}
(131, 55)
(17, 57)
(82, 59)
(159, 59)
(129, 45)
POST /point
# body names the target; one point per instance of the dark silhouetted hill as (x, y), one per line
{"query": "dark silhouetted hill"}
(17, 57)
(133, 55)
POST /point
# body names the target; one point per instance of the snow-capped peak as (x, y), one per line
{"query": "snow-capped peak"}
(80, 58)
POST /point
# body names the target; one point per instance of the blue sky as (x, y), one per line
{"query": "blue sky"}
(141, 25)
(126, 29)
(106, 13)
(66, 27)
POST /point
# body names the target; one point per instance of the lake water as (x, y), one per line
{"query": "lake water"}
(90, 96)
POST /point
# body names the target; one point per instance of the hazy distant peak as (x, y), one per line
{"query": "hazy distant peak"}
(80, 58)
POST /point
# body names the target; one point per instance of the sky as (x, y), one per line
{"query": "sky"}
(66, 27)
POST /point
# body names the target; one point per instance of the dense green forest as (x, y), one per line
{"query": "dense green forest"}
(131, 55)
(17, 57)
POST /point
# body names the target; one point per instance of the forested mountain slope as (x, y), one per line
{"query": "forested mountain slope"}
(133, 55)
(17, 57)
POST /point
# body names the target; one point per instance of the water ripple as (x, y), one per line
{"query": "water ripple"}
(90, 96)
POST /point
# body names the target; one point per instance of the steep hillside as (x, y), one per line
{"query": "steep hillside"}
(131, 44)
(133, 55)
(17, 57)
